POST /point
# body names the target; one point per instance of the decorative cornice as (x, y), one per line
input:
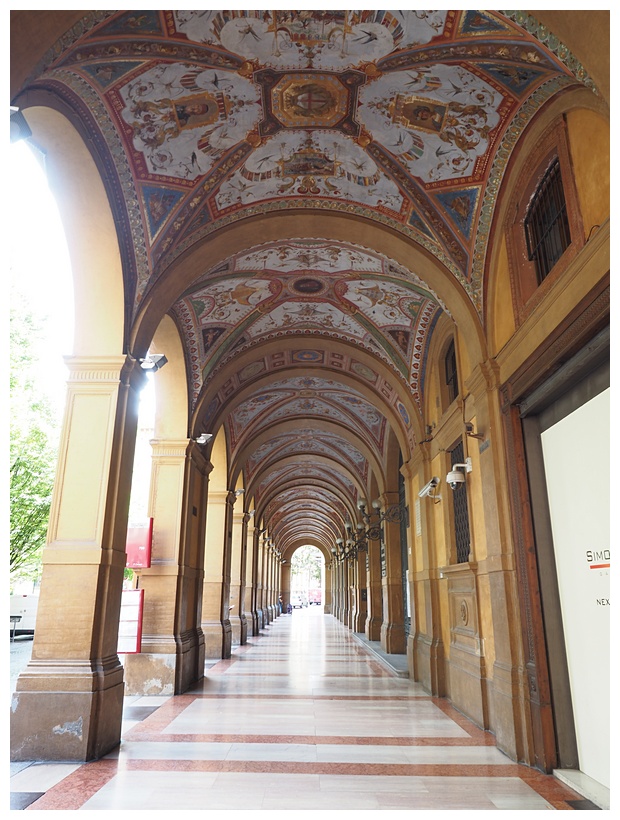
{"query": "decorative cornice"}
(99, 369)
(169, 448)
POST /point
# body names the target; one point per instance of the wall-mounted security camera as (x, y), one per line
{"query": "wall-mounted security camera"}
(457, 474)
(428, 489)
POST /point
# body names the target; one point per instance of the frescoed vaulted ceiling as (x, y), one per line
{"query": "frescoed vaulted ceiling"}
(396, 116)
(309, 352)
(332, 289)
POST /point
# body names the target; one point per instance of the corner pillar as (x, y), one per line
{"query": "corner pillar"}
(216, 624)
(172, 656)
(238, 621)
(393, 626)
(374, 613)
(68, 701)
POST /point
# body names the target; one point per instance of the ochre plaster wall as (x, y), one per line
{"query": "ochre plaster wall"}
(588, 135)
(502, 321)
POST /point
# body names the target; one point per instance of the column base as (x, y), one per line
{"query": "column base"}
(239, 630)
(218, 639)
(393, 639)
(58, 724)
(373, 629)
(430, 664)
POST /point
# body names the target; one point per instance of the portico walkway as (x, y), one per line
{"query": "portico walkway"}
(302, 717)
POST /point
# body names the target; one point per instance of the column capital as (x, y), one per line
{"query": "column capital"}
(483, 378)
(221, 497)
(97, 368)
(162, 448)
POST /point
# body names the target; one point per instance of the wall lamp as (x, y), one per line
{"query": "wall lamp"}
(458, 473)
(204, 438)
(393, 514)
(153, 362)
(239, 492)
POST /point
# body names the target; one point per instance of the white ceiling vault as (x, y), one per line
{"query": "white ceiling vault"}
(309, 351)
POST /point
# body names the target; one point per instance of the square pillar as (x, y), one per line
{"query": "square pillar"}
(68, 701)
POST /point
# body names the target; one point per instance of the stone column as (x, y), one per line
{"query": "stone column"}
(337, 591)
(428, 663)
(393, 626)
(265, 583)
(271, 574)
(509, 718)
(256, 614)
(414, 508)
(359, 581)
(260, 548)
(328, 603)
(285, 586)
(68, 701)
(172, 656)
(237, 577)
(249, 578)
(374, 614)
(347, 588)
(216, 591)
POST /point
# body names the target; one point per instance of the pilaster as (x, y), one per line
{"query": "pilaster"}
(216, 589)
(393, 627)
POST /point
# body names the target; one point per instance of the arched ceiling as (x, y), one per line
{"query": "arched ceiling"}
(310, 351)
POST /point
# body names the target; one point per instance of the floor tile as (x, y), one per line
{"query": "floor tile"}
(303, 717)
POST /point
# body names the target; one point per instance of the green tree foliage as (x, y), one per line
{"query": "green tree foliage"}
(307, 559)
(34, 430)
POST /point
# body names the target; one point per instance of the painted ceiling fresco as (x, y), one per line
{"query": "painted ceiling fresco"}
(406, 118)
(299, 397)
(287, 288)
(304, 475)
(309, 442)
(396, 116)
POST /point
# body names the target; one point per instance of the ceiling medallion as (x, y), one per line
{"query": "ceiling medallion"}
(308, 286)
(309, 100)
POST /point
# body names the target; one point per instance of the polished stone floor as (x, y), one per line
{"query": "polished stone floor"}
(302, 717)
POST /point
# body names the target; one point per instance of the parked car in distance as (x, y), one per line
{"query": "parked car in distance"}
(26, 607)
(314, 597)
(296, 602)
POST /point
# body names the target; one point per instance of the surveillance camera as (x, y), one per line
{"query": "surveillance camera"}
(428, 488)
(454, 478)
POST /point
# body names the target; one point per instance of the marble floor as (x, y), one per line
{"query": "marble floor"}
(302, 717)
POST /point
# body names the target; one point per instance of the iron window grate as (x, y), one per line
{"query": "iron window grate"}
(546, 226)
(461, 513)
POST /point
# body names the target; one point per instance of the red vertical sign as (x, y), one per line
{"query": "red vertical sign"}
(138, 546)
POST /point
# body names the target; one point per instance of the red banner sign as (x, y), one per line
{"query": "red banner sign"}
(138, 546)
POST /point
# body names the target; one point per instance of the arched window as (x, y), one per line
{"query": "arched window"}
(451, 375)
(544, 230)
(547, 232)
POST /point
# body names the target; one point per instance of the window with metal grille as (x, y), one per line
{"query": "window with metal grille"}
(461, 513)
(546, 223)
(452, 380)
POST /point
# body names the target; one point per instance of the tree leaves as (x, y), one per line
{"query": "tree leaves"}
(33, 446)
